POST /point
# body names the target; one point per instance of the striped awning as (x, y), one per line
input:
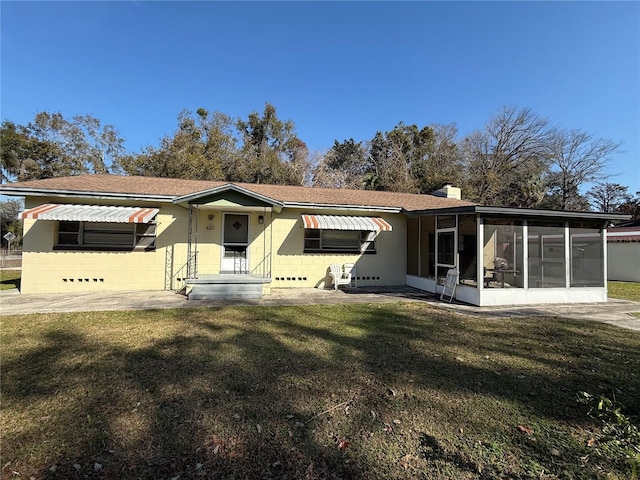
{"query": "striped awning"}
(344, 222)
(90, 213)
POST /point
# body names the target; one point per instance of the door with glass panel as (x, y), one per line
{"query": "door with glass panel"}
(235, 243)
(446, 244)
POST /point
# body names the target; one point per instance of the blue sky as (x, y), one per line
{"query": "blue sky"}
(337, 69)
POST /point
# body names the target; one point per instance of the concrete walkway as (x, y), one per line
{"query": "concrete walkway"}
(615, 312)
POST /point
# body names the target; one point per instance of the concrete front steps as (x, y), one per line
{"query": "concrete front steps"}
(226, 287)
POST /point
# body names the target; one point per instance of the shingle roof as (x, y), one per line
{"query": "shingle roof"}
(92, 185)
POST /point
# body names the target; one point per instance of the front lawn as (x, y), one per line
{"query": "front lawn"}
(10, 279)
(393, 391)
(624, 290)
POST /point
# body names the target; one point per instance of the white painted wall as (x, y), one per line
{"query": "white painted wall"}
(514, 296)
(463, 293)
(624, 261)
(521, 296)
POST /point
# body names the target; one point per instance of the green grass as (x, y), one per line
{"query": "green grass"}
(10, 279)
(625, 290)
(392, 391)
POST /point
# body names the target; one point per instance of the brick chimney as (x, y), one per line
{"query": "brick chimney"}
(449, 191)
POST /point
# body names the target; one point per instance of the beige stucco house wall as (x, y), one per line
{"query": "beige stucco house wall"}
(294, 268)
(276, 246)
(45, 270)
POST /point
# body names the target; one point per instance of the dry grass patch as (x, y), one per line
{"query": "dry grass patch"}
(349, 392)
(624, 290)
(10, 279)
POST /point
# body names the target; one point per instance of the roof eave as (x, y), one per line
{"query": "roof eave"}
(530, 212)
(443, 210)
(522, 212)
(47, 192)
(336, 206)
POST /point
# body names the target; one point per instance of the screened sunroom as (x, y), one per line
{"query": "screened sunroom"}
(507, 256)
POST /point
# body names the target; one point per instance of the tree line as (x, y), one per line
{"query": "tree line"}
(518, 159)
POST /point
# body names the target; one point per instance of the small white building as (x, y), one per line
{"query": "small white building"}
(623, 246)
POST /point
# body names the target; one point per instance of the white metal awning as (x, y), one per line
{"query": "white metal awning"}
(344, 222)
(90, 213)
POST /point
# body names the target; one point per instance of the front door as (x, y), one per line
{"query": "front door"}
(235, 243)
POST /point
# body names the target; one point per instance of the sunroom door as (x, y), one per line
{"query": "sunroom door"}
(446, 244)
(235, 243)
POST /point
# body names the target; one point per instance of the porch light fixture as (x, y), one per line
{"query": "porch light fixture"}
(260, 219)
(210, 217)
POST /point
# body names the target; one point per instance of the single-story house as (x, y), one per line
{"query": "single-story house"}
(623, 242)
(211, 239)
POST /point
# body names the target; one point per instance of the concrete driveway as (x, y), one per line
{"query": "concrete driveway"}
(615, 312)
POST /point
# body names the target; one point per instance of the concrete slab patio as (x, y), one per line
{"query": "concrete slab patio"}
(615, 312)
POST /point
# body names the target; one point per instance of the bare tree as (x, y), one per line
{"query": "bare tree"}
(394, 169)
(443, 163)
(631, 206)
(298, 162)
(326, 177)
(576, 158)
(509, 152)
(608, 197)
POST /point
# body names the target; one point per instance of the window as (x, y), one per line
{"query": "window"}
(145, 236)
(546, 255)
(503, 253)
(68, 233)
(467, 249)
(339, 241)
(586, 255)
(445, 255)
(446, 246)
(106, 236)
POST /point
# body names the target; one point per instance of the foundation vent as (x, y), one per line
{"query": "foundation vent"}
(83, 280)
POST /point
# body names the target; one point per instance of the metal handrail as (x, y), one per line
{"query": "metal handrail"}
(188, 270)
(264, 267)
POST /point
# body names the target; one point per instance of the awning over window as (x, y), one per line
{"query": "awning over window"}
(344, 222)
(90, 213)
